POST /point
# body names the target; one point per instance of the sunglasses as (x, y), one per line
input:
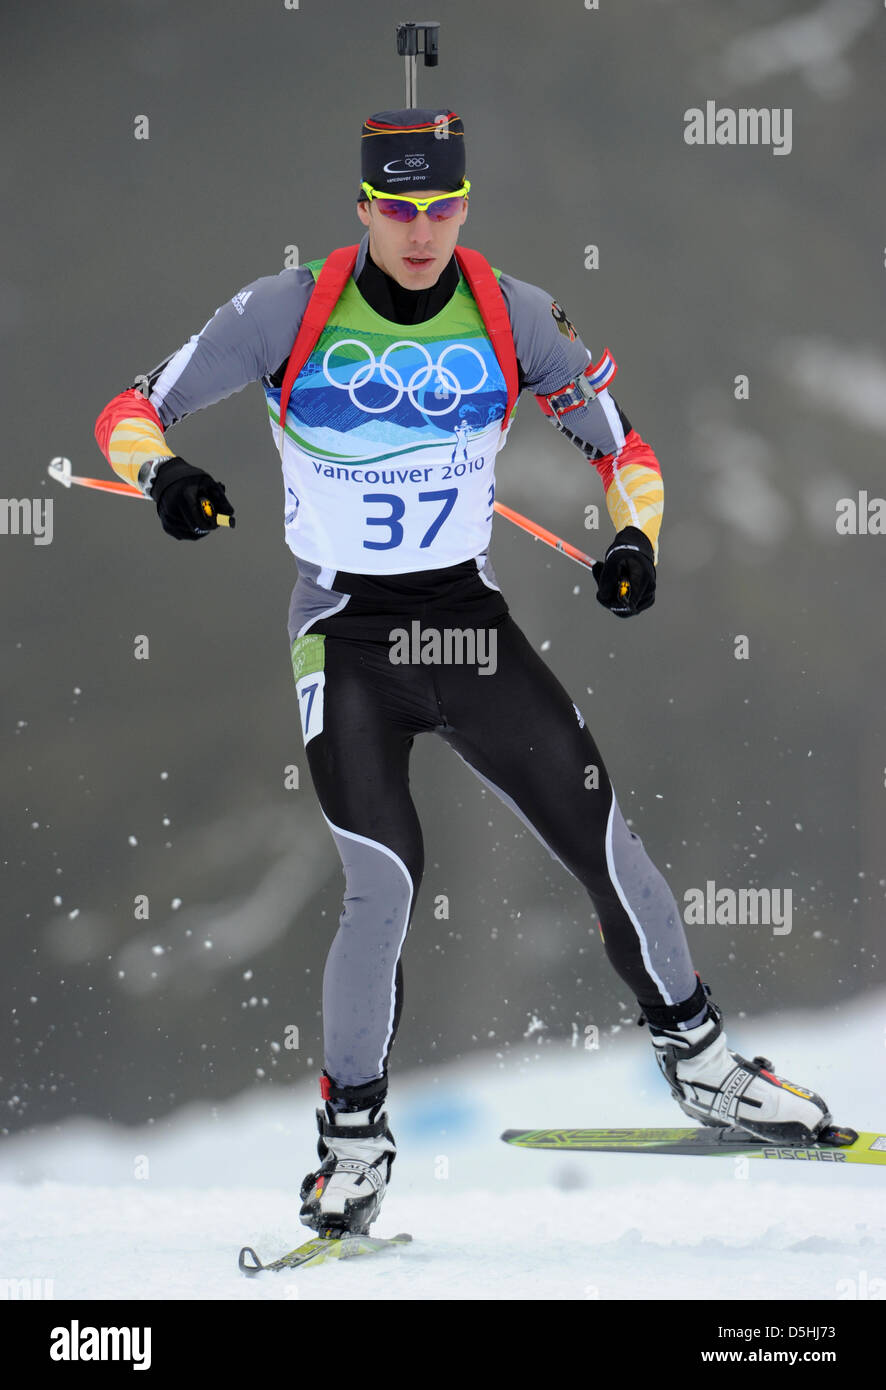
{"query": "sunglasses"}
(400, 208)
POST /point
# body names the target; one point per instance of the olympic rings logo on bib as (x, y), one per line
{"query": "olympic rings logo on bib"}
(447, 382)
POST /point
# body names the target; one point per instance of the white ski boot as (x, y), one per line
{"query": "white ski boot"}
(719, 1087)
(344, 1195)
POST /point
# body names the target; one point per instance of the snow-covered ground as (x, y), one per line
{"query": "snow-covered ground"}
(161, 1212)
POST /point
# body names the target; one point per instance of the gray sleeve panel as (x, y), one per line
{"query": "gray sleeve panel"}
(246, 339)
(549, 360)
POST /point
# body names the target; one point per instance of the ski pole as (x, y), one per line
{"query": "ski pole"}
(541, 534)
(60, 470)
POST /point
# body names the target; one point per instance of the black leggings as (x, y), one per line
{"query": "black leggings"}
(512, 722)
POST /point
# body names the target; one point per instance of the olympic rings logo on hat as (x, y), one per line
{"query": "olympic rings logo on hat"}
(411, 161)
(365, 371)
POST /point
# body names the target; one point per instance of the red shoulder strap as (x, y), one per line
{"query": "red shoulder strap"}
(494, 313)
(330, 282)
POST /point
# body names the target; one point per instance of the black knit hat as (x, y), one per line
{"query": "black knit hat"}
(414, 149)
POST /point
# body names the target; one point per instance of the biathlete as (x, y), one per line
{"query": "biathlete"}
(366, 358)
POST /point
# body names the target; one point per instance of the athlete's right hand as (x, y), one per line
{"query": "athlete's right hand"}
(188, 500)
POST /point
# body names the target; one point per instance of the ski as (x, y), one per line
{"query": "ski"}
(837, 1145)
(319, 1250)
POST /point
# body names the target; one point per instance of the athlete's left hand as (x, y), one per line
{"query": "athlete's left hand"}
(626, 575)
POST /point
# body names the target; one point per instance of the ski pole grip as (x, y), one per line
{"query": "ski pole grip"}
(221, 518)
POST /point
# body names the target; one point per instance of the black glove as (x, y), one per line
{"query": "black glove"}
(188, 500)
(629, 559)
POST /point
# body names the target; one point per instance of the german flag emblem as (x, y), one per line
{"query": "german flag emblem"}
(565, 327)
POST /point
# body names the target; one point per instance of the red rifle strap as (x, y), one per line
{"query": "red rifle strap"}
(330, 282)
(494, 312)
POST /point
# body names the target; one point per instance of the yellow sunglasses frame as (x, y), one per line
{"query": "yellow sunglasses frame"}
(420, 204)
